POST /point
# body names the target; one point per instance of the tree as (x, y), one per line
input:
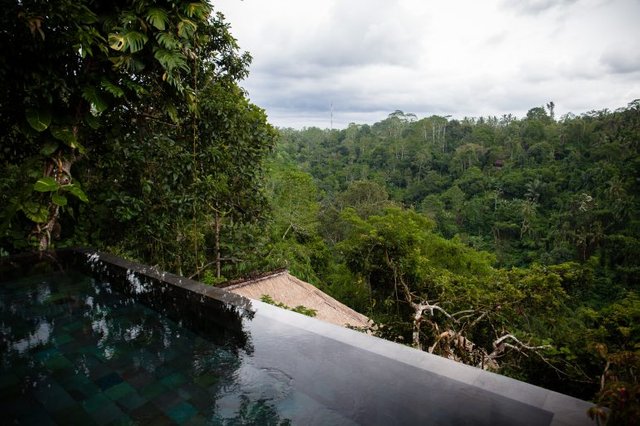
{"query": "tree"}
(95, 60)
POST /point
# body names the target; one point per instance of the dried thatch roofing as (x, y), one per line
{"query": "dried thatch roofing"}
(285, 288)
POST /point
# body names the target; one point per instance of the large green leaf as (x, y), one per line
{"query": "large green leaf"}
(117, 42)
(76, 191)
(112, 88)
(46, 184)
(49, 148)
(197, 9)
(39, 119)
(59, 200)
(91, 95)
(167, 40)
(66, 135)
(135, 41)
(171, 60)
(186, 28)
(157, 17)
(35, 212)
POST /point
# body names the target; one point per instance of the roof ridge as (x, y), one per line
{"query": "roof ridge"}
(241, 282)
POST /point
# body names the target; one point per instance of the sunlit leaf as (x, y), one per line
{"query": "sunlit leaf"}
(186, 28)
(46, 184)
(75, 190)
(39, 119)
(117, 42)
(35, 212)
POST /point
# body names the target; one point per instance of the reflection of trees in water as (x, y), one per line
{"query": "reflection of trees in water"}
(103, 327)
(27, 307)
(254, 413)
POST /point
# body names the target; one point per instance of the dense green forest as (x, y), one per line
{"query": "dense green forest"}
(501, 242)
(511, 244)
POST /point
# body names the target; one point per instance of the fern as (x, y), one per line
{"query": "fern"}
(158, 18)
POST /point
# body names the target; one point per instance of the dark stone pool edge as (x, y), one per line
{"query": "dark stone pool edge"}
(566, 410)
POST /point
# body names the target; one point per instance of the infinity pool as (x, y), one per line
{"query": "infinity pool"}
(111, 342)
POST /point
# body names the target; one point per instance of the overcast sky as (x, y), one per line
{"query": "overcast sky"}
(448, 57)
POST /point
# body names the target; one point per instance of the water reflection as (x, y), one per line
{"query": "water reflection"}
(74, 344)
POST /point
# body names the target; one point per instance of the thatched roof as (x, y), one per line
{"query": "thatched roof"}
(285, 288)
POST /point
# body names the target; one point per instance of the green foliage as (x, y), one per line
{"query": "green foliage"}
(140, 103)
(299, 309)
(528, 225)
(130, 132)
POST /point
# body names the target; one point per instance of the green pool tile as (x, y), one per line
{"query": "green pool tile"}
(58, 362)
(206, 380)
(173, 380)
(108, 413)
(45, 354)
(146, 413)
(167, 400)
(74, 380)
(108, 380)
(119, 391)
(197, 420)
(73, 326)
(73, 415)
(140, 380)
(53, 396)
(124, 421)
(182, 412)
(37, 417)
(131, 401)
(164, 370)
(88, 390)
(152, 390)
(8, 381)
(170, 355)
(62, 339)
(95, 402)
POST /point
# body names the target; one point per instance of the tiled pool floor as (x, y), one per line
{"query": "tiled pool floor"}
(74, 352)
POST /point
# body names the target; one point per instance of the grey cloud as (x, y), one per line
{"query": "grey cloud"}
(354, 34)
(536, 7)
(618, 62)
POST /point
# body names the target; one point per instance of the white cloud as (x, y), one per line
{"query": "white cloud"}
(464, 58)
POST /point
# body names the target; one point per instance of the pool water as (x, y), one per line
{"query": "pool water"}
(77, 351)
(100, 340)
